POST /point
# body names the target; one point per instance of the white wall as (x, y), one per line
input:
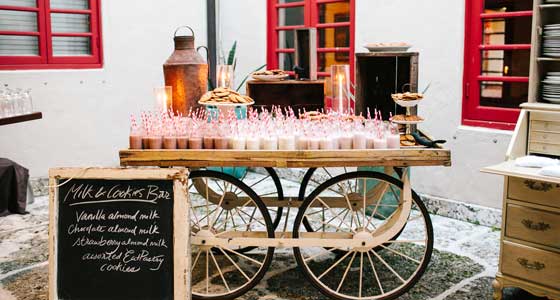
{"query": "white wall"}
(436, 29)
(86, 111)
(243, 21)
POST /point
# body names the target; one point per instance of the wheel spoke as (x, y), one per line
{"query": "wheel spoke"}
(330, 209)
(220, 271)
(334, 265)
(375, 274)
(388, 266)
(196, 259)
(235, 264)
(364, 215)
(346, 272)
(243, 255)
(361, 274)
(240, 225)
(207, 201)
(219, 206)
(259, 181)
(401, 254)
(207, 271)
(258, 220)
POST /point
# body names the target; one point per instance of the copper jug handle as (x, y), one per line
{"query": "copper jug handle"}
(184, 26)
(207, 51)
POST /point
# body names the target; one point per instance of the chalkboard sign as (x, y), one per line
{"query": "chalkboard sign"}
(116, 237)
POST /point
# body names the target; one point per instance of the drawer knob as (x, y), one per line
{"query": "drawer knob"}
(541, 226)
(537, 266)
(538, 186)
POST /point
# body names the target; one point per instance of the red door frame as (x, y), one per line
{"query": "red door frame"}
(46, 59)
(473, 113)
(311, 19)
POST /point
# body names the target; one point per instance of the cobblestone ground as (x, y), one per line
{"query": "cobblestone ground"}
(462, 266)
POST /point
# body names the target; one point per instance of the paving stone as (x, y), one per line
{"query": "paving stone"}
(485, 246)
(448, 231)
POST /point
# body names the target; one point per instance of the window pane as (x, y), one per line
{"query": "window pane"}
(71, 45)
(12, 20)
(503, 94)
(507, 31)
(291, 16)
(285, 39)
(70, 22)
(334, 12)
(286, 61)
(334, 37)
(289, 1)
(505, 63)
(25, 3)
(508, 5)
(19, 45)
(332, 58)
(70, 4)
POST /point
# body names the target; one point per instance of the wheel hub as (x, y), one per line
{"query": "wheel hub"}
(365, 238)
(356, 201)
(230, 201)
(205, 234)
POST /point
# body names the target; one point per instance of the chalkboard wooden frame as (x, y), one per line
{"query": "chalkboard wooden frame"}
(181, 226)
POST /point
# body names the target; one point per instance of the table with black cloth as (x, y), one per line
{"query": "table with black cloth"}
(13, 187)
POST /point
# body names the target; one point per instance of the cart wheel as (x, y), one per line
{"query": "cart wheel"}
(265, 186)
(219, 271)
(381, 270)
(309, 183)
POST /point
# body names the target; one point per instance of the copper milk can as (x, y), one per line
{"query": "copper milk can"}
(187, 73)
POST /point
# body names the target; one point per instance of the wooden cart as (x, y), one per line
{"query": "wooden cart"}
(356, 234)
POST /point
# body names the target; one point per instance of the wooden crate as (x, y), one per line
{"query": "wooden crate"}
(299, 94)
(380, 74)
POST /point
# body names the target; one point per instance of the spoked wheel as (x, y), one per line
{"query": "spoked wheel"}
(370, 257)
(265, 183)
(386, 194)
(220, 270)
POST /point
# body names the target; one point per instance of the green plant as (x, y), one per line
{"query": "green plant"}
(247, 76)
(232, 60)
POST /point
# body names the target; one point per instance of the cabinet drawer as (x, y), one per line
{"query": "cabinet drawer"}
(547, 116)
(539, 192)
(545, 126)
(544, 148)
(533, 225)
(535, 265)
(545, 137)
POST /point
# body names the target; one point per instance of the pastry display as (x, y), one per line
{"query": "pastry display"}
(407, 118)
(224, 96)
(408, 96)
(270, 75)
(270, 72)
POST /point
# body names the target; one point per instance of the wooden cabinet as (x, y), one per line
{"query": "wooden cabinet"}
(530, 243)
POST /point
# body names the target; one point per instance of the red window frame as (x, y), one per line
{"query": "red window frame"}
(46, 59)
(311, 20)
(473, 113)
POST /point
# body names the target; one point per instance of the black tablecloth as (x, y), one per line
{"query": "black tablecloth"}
(13, 187)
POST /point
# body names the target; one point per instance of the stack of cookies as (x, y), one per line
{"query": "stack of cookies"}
(224, 96)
